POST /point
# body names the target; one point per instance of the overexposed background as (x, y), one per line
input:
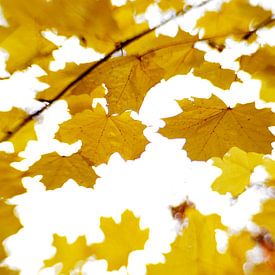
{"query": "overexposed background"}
(162, 177)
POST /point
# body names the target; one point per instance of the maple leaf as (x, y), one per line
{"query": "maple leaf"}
(237, 166)
(269, 165)
(69, 254)
(194, 250)
(9, 225)
(164, 58)
(261, 66)
(211, 128)
(122, 76)
(222, 78)
(9, 121)
(102, 135)
(265, 219)
(120, 240)
(56, 170)
(235, 18)
(24, 43)
(10, 178)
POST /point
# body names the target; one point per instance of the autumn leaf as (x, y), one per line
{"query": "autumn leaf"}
(165, 57)
(235, 18)
(102, 135)
(194, 250)
(121, 76)
(120, 240)
(9, 121)
(10, 178)
(56, 170)
(24, 44)
(222, 78)
(237, 167)
(269, 165)
(211, 128)
(69, 254)
(261, 66)
(265, 218)
(9, 225)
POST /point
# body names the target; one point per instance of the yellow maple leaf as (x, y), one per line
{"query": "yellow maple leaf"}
(269, 165)
(150, 58)
(9, 121)
(194, 251)
(122, 76)
(10, 178)
(102, 135)
(265, 218)
(120, 240)
(237, 166)
(56, 170)
(9, 225)
(235, 18)
(69, 254)
(222, 78)
(211, 128)
(261, 66)
(24, 44)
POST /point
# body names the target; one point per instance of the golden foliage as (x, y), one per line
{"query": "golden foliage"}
(102, 135)
(120, 240)
(10, 178)
(265, 219)
(208, 122)
(235, 18)
(222, 78)
(237, 167)
(261, 66)
(194, 251)
(9, 225)
(69, 254)
(56, 170)
(135, 59)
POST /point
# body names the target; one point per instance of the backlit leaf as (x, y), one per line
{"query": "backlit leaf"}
(237, 166)
(10, 178)
(261, 66)
(120, 240)
(102, 135)
(56, 170)
(9, 225)
(194, 251)
(222, 78)
(69, 254)
(265, 219)
(235, 18)
(211, 128)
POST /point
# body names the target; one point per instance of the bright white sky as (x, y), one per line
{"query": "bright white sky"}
(163, 176)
